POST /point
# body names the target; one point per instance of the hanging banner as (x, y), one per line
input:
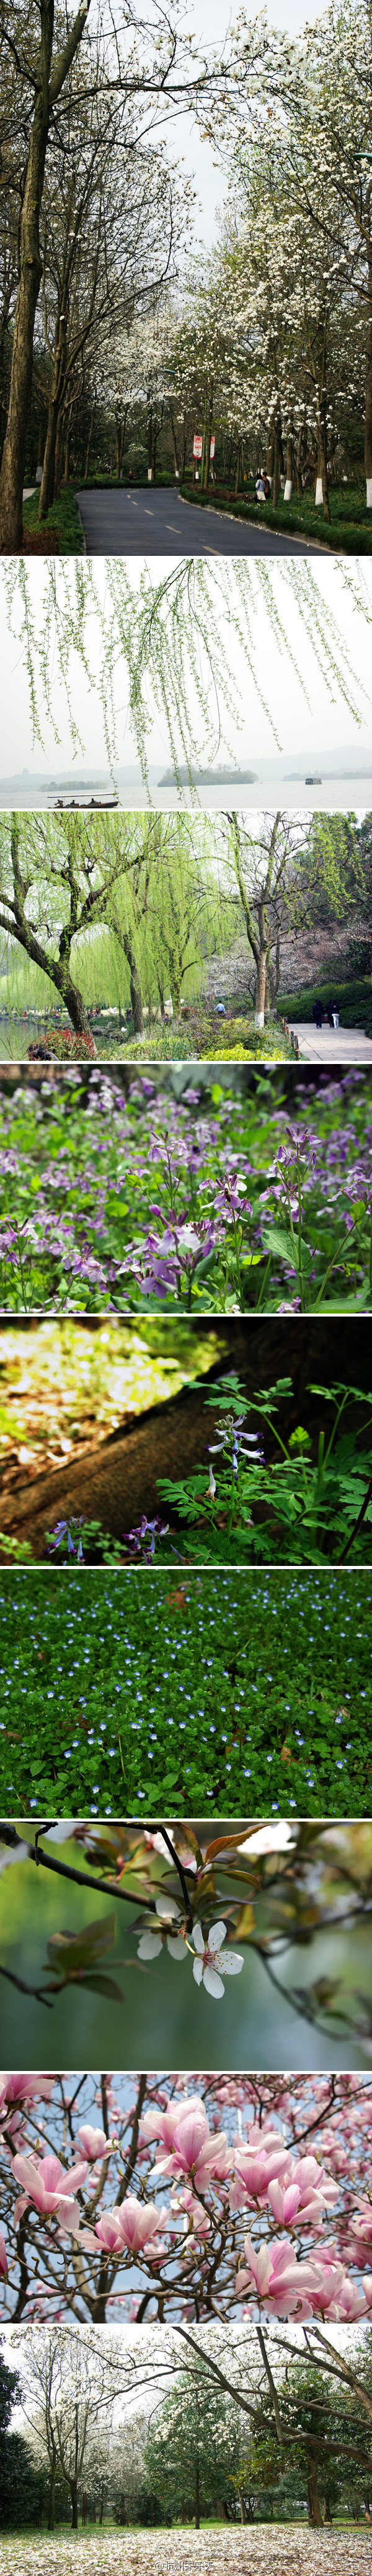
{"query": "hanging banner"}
(198, 447)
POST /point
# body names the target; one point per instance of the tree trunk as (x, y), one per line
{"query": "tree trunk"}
(238, 465)
(300, 454)
(207, 458)
(120, 432)
(58, 456)
(14, 450)
(40, 448)
(74, 2503)
(52, 2496)
(243, 2516)
(73, 1003)
(277, 461)
(315, 2515)
(88, 447)
(327, 2508)
(135, 982)
(47, 479)
(288, 469)
(267, 993)
(66, 468)
(197, 2499)
(368, 411)
(322, 491)
(259, 1016)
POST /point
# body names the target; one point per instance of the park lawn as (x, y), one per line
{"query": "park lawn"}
(113, 1687)
(63, 517)
(350, 531)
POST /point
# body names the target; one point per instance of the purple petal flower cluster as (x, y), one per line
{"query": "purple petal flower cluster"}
(141, 1541)
(147, 1197)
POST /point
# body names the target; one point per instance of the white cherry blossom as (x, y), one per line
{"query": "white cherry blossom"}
(213, 1963)
(152, 1941)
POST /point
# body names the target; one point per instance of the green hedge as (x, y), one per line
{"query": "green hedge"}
(64, 515)
(351, 523)
(354, 999)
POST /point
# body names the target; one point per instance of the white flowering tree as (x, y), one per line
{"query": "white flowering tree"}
(318, 90)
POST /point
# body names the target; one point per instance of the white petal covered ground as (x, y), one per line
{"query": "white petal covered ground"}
(264, 2551)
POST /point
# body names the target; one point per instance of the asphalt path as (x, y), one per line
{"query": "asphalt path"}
(122, 522)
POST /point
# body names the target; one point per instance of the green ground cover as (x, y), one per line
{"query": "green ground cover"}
(350, 531)
(63, 515)
(135, 1692)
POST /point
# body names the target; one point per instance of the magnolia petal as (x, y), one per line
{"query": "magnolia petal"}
(197, 1972)
(197, 1938)
(149, 1945)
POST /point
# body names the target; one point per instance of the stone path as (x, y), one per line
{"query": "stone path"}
(335, 1047)
(266, 2550)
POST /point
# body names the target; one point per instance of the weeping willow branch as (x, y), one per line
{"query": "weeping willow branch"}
(167, 641)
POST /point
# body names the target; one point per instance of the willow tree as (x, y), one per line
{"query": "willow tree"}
(168, 642)
(132, 894)
(168, 915)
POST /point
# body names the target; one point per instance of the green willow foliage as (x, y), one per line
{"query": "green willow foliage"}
(170, 636)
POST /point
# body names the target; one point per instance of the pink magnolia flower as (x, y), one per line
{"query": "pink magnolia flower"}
(361, 2230)
(94, 2143)
(25, 2088)
(194, 2151)
(134, 2225)
(288, 2288)
(162, 2124)
(49, 2187)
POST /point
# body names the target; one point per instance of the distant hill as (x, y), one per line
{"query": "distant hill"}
(210, 777)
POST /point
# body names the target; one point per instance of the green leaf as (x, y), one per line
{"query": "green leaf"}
(70, 1953)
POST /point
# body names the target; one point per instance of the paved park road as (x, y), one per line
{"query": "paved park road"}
(159, 523)
(335, 1047)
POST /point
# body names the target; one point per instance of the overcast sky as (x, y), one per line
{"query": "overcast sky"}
(210, 25)
(316, 724)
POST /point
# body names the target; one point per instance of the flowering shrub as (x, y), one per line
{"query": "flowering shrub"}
(245, 2189)
(151, 1201)
(172, 1694)
(63, 1044)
